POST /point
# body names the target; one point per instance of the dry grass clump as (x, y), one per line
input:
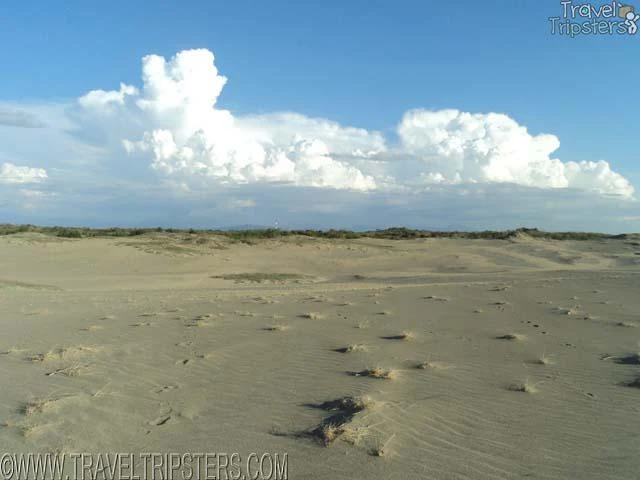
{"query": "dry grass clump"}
(329, 433)
(199, 321)
(380, 450)
(141, 324)
(429, 365)
(347, 405)
(32, 408)
(436, 298)
(276, 328)
(257, 277)
(525, 387)
(343, 410)
(264, 300)
(38, 406)
(377, 372)
(354, 347)
(501, 288)
(575, 310)
(354, 435)
(62, 354)
(544, 359)
(70, 371)
(627, 324)
(12, 350)
(92, 328)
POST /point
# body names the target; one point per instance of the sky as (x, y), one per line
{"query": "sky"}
(334, 114)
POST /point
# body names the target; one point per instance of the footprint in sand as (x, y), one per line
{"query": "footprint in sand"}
(163, 417)
(68, 353)
(159, 421)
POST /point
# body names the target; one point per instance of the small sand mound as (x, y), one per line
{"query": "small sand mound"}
(575, 310)
(627, 324)
(12, 351)
(430, 365)
(69, 353)
(71, 371)
(335, 426)
(354, 347)
(42, 405)
(198, 322)
(500, 288)
(377, 372)
(276, 328)
(524, 387)
(436, 298)
(406, 335)
(381, 448)
(511, 337)
(544, 360)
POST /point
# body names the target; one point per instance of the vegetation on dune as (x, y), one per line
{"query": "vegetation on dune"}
(250, 236)
(257, 277)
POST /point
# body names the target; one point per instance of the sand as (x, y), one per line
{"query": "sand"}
(436, 358)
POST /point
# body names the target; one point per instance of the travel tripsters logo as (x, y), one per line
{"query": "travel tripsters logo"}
(578, 19)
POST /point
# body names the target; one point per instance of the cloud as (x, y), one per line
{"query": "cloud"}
(241, 203)
(457, 146)
(187, 137)
(18, 118)
(14, 174)
(166, 152)
(101, 99)
(284, 128)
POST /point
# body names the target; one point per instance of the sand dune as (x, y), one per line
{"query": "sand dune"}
(430, 358)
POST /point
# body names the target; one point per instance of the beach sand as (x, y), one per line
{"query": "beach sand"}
(372, 359)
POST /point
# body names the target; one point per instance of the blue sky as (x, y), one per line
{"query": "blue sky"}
(359, 64)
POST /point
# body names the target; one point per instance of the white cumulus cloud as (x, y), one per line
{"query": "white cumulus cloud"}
(15, 174)
(174, 121)
(188, 138)
(457, 146)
